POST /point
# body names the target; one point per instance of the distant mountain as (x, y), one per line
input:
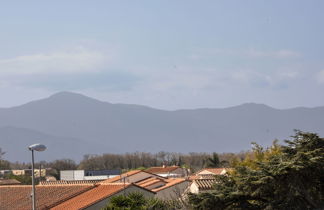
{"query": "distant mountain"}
(72, 124)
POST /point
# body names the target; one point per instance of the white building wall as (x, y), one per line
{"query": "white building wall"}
(78, 174)
(194, 188)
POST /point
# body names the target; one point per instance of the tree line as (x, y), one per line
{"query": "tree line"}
(136, 160)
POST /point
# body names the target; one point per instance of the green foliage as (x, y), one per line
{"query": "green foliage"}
(137, 201)
(214, 161)
(3, 163)
(280, 177)
(24, 179)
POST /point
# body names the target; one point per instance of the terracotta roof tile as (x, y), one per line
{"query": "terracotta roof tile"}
(70, 182)
(216, 171)
(151, 181)
(170, 182)
(18, 197)
(9, 182)
(161, 170)
(118, 178)
(92, 196)
(204, 184)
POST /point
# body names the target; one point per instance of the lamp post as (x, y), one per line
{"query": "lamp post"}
(32, 148)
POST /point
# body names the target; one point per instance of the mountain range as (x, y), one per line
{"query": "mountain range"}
(72, 125)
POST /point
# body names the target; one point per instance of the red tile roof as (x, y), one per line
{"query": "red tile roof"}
(204, 184)
(162, 170)
(92, 196)
(216, 171)
(151, 181)
(9, 182)
(118, 178)
(170, 182)
(202, 176)
(18, 197)
(70, 182)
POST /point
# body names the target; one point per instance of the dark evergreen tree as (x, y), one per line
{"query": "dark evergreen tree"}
(280, 177)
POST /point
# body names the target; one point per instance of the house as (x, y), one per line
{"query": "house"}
(131, 177)
(165, 188)
(9, 182)
(3, 173)
(201, 185)
(66, 195)
(88, 174)
(69, 182)
(173, 189)
(91, 194)
(168, 171)
(152, 182)
(19, 196)
(212, 171)
(204, 180)
(28, 172)
(99, 196)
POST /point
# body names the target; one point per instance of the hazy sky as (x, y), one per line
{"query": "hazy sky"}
(167, 54)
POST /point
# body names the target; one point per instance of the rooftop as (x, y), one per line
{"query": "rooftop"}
(9, 182)
(204, 184)
(88, 198)
(170, 182)
(70, 182)
(216, 171)
(118, 178)
(161, 170)
(47, 196)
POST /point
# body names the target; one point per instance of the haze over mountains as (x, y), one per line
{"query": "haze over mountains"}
(72, 125)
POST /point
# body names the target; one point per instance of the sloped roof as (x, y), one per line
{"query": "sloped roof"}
(204, 184)
(202, 176)
(19, 196)
(117, 178)
(216, 171)
(70, 182)
(162, 170)
(170, 182)
(9, 182)
(92, 196)
(150, 181)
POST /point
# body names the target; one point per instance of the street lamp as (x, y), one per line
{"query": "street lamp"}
(32, 148)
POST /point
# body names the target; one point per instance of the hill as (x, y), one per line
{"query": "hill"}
(83, 125)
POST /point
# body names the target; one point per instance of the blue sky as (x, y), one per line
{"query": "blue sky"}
(168, 54)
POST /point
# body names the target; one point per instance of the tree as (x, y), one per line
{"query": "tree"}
(137, 201)
(279, 177)
(214, 162)
(3, 163)
(64, 164)
(1, 153)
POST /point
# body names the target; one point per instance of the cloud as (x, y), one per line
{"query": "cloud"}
(76, 61)
(271, 54)
(273, 78)
(106, 80)
(247, 53)
(320, 77)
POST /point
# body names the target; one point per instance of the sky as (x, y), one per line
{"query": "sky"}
(167, 54)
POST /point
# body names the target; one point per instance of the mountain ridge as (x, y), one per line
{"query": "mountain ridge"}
(106, 127)
(68, 95)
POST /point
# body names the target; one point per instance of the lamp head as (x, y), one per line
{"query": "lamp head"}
(37, 147)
